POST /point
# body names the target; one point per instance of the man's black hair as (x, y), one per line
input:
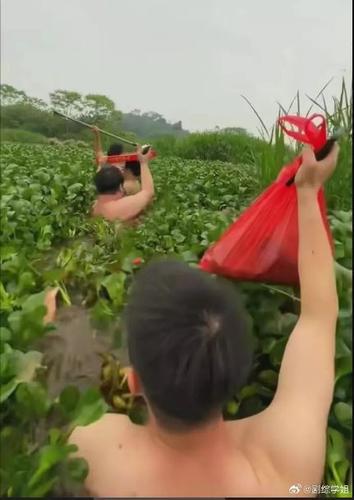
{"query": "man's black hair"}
(108, 180)
(115, 149)
(134, 167)
(188, 343)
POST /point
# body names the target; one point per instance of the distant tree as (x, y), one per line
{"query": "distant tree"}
(156, 117)
(177, 126)
(67, 102)
(9, 95)
(37, 103)
(25, 116)
(235, 130)
(97, 108)
(151, 125)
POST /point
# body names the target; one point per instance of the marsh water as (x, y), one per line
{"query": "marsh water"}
(72, 352)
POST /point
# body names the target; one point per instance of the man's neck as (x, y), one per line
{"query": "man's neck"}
(212, 434)
(109, 197)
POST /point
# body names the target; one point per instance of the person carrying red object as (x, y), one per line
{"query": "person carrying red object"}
(129, 169)
(189, 353)
(112, 202)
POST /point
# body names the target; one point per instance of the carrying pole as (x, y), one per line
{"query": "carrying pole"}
(98, 129)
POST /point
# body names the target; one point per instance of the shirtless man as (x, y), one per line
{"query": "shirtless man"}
(189, 353)
(111, 203)
(130, 170)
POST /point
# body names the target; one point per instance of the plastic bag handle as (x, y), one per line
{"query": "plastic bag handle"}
(307, 131)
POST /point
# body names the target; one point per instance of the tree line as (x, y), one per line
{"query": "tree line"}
(22, 112)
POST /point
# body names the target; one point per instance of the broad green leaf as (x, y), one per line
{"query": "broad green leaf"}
(7, 389)
(78, 469)
(343, 367)
(14, 320)
(114, 285)
(336, 449)
(5, 335)
(6, 302)
(50, 456)
(42, 489)
(344, 413)
(102, 313)
(269, 378)
(69, 398)
(276, 354)
(26, 366)
(90, 408)
(32, 400)
(34, 301)
(55, 436)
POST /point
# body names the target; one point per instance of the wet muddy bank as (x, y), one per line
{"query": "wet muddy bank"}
(72, 352)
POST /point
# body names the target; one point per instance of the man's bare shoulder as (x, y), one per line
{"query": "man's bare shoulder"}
(109, 429)
(126, 208)
(107, 446)
(275, 447)
(111, 425)
(255, 435)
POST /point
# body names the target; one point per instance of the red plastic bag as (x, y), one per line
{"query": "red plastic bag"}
(262, 244)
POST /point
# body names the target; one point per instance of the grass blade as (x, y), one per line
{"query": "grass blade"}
(282, 108)
(319, 94)
(291, 104)
(298, 103)
(256, 113)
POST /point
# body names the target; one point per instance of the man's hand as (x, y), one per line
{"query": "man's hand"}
(313, 174)
(143, 158)
(50, 303)
(95, 130)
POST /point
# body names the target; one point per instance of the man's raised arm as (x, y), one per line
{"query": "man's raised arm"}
(100, 157)
(131, 206)
(292, 429)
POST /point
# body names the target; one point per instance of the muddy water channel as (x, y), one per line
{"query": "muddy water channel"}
(72, 351)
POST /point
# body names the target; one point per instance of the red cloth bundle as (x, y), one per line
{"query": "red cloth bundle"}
(126, 157)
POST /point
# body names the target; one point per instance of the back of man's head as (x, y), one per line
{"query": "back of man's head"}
(115, 149)
(109, 180)
(188, 343)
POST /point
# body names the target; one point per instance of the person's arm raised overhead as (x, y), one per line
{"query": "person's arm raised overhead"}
(147, 182)
(131, 206)
(293, 428)
(100, 157)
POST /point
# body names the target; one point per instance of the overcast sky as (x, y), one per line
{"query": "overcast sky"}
(187, 59)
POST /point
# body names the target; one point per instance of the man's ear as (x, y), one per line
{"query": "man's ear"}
(133, 382)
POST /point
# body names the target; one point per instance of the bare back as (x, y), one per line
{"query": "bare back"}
(124, 460)
(123, 208)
